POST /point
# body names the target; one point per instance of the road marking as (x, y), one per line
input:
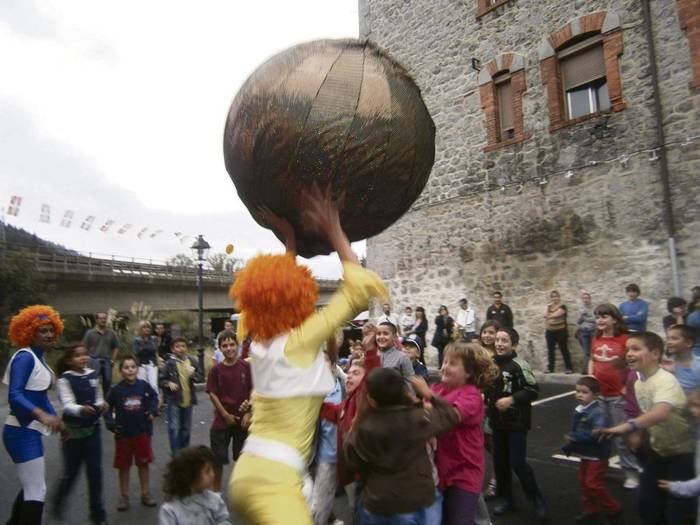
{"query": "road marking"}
(613, 462)
(558, 396)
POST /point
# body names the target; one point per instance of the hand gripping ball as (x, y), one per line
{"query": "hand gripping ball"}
(331, 111)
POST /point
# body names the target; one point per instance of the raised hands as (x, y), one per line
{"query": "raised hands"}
(279, 225)
(322, 216)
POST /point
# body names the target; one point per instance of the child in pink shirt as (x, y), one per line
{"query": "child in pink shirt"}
(467, 368)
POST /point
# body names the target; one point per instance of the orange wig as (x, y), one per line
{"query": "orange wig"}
(29, 320)
(274, 294)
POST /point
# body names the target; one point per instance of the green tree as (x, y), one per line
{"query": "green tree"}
(221, 262)
(21, 285)
(181, 260)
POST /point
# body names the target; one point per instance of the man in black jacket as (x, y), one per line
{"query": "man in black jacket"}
(499, 311)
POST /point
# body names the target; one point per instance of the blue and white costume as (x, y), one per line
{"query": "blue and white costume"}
(29, 379)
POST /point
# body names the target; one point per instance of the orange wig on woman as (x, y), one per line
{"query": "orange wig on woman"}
(24, 325)
(274, 294)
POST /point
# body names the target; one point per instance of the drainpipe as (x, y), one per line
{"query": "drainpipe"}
(661, 141)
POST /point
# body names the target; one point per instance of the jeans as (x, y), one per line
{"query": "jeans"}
(433, 514)
(658, 506)
(86, 450)
(179, 425)
(615, 409)
(323, 494)
(103, 367)
(585, 339)
(509, 449)
(410, 518)
(560, 338)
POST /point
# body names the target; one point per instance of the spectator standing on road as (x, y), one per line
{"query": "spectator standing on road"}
(187, 483)
(609, 367)
(487, 336)
(133, 404)
(635, 311)
(420, 327)
(586, 328)
(676, 307)
(407, 320)
(671, 439)
(556, 333)
(34, 329)
(685, 365)
(499, 311)
(164, 340)
(389, 355)
(103, 346)
(146, 352)
(594, 453)
(388, 317)
(229, 386)
(218, 356)
(467, 371)
(444, 326)
(694, 321)
(177, 379)
(80, 394)
(466, 321)
(509, 406)
(413, 350)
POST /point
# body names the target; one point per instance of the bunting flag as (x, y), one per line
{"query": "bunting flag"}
(45, 214)
(67, 219)
(15, 203)
(106, 226)
(124, 229)
(141, 233)
(155, 234)
(87, 223)
(184, 238)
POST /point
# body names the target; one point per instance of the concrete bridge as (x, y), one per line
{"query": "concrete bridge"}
(82, 284)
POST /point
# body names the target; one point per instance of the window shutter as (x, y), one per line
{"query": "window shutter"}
(583, 67)
(505, 106)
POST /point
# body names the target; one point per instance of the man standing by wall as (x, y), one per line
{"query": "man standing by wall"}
(635, 310)
(466, 321)
(499, 311)
(103, 347)
(388, 317)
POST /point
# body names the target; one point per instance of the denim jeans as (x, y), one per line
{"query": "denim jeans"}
(615, 409)
(411, 518)
(433, 514)
(585, 339)
(103, 367)
(179, 426)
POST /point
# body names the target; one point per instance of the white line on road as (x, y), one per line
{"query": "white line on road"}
(540, 401)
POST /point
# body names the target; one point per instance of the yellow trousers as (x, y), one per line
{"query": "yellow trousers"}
(266, 492)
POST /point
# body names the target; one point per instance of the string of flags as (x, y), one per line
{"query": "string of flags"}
(90, 222)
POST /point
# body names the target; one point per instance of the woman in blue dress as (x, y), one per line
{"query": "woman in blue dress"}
(34, 329)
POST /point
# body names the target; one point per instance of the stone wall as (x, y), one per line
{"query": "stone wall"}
(511, 218)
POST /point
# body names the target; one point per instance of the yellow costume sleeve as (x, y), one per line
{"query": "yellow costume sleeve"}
(358, 286)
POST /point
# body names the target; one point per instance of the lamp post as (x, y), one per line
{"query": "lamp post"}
(200, 248)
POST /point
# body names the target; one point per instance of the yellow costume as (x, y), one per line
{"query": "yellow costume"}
(290, 380)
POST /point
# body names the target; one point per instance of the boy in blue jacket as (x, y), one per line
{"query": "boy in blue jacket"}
(594, 453)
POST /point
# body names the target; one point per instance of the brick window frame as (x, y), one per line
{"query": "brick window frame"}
(507, 63)
(484, 6)
(689, 21)
(606, 23)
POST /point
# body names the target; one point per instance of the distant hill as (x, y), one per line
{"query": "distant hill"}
(17, 237)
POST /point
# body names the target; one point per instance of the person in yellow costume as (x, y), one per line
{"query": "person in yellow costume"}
(276, 298)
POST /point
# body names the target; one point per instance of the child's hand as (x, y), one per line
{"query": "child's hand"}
(103, 408)
(149, 417)
(664, 485)
(421, 387)
(230, 419)
(504, 403)
(245, 406)
(369, 341)
(87, 411)
(245, 420)
(172, 386)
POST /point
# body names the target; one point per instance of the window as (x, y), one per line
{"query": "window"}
(504, 98)
(583, 78)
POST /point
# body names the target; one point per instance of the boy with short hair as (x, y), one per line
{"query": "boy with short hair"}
(635, 310)
(662, 402)
(177, 378)
(387, 446)
(389, 355)
(589, 415)
(413, 350)
(133, 403)
(680, 339)
(229, 386)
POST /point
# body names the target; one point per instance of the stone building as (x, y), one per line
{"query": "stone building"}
(551, 170)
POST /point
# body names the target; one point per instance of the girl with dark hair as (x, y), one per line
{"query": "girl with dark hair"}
(444, 325)
(608, 366)
(419, 329)
(487, 336)
(80, 394)
(187, 484)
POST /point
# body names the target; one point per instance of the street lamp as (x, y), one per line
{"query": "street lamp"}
(201, 249)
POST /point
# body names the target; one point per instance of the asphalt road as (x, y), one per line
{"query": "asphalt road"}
(556, 477)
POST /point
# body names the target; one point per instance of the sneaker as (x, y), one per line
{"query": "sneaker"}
(587, 517)
(147, 500)
(123, 503)
(631, 480)
(337, 522)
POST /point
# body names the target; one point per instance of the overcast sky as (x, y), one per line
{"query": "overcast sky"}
(117, 109)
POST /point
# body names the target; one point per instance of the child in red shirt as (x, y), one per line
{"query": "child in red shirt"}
(608, 366)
